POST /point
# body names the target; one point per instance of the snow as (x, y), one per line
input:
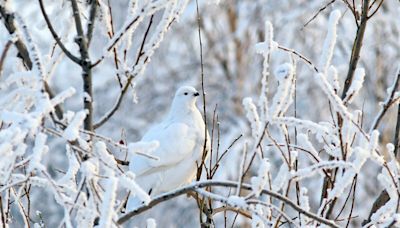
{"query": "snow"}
(61, 97)
(330, 41)
(284, 94)
(39, 150)
(127, 181)
(258, 182)
(252, 116)
(237, 201)
(107, 212)
(283, 72)
(71, 133)
(356, 84)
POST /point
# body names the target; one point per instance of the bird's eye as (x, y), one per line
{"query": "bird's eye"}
(186, 94)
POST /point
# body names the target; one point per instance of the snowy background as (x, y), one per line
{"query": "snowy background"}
(233, 53)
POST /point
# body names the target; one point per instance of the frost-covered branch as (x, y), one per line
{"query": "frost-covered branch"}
(202, 184)
(9, 22)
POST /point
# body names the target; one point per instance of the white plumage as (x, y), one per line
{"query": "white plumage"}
(181, 141)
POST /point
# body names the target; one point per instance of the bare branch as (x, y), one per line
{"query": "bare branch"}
(86, 67)
(126, 86)
(319, 11)
(55, 36)
(205, 152)
(355, 52)
(386, 105)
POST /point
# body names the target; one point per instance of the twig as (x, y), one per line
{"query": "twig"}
(124, 90)
(386, 105)
(353, 200)
(319, 11)
(215, 168)
(55, 36)
(377, 8)
(305, 59)
(205, 152)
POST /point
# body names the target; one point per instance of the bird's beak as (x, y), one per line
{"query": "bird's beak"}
(196, 94)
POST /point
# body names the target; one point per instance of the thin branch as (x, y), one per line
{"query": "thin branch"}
(9, 22)
(305, 59)
(215, 168)
(377, 8)
(383, 198)
(205, 152)
(55, 36)
(353, 200)
(319, 11)
(124, 90)
(386, 105)
(355, 52)
(192, 187)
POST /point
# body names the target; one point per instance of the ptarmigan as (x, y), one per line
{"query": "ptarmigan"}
(181, 140)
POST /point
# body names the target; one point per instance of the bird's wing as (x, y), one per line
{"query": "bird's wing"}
(176, 141)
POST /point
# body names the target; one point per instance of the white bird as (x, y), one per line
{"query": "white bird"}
(181, 141)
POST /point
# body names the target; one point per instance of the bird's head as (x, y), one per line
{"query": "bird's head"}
(185, 96)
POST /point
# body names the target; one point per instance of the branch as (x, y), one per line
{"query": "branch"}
(107, 116)
(319, 11)
(203, 184)
(386, 105)
(9, 23)
(55, 36)
(305, 59)
(86, 67)
(92, 17)
(205, 152)
(355, 52)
